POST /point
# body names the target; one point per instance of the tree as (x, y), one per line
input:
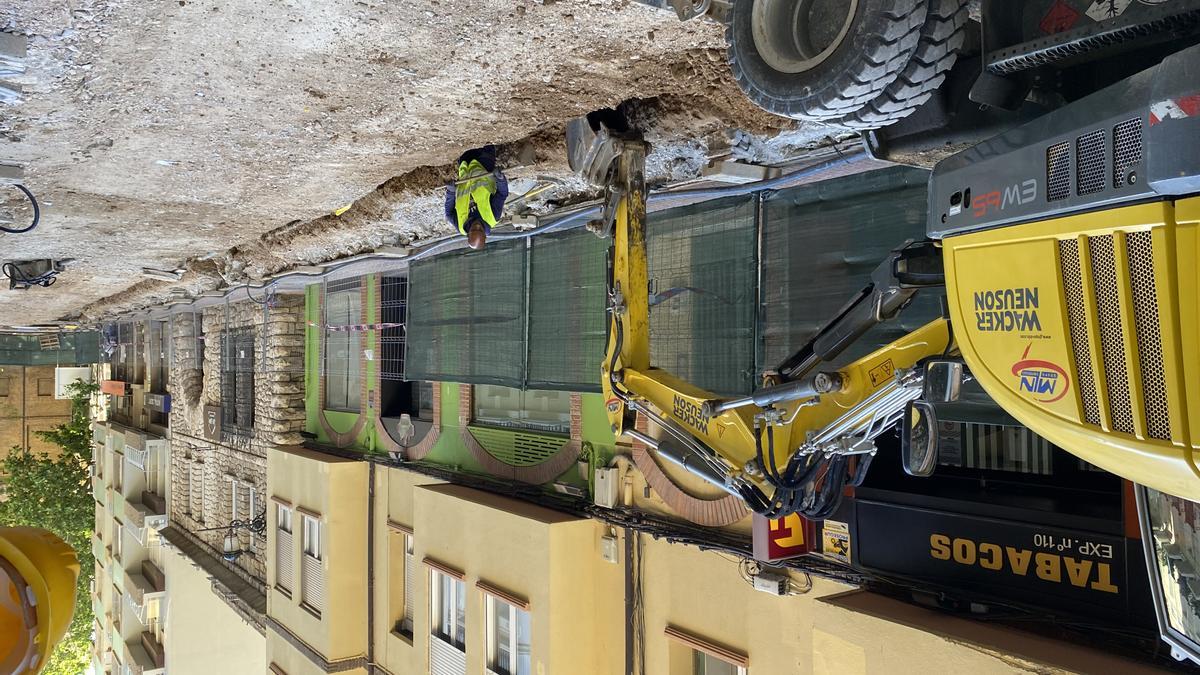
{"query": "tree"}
(55, 493)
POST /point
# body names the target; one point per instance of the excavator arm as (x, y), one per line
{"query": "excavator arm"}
(793, 446)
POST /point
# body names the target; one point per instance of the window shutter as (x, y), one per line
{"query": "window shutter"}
(312, 584)
(409, 563)
(284, 568)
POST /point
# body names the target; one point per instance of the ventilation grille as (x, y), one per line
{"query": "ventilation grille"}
(1127, 149)
(1089, 163)
(1112, 344)
(1058, 171)
(1105, 272)
(1068, 251)
(1149, 337)
(517, 448)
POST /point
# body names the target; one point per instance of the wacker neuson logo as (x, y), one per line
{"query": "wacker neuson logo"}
(1007, 309)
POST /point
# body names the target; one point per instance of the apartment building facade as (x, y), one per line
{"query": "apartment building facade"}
(180, 513)
(27, 406)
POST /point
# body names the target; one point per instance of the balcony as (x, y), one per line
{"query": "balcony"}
(99, 490)
(98, 549)
(145, 655)
(145, 584)
(117, 572)
(150, 512)
(99, 431)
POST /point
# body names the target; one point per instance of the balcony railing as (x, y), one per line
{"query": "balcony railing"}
(99, 489)
(137, 457)
(145, 584)
(144, 656)
(150, 512)
(98, 549)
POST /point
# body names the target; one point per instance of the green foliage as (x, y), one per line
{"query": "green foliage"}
(55, 493)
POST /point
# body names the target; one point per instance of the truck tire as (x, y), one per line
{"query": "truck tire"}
(937, 50)
(821, 60)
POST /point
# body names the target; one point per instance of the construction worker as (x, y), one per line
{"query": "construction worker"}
(475, 201)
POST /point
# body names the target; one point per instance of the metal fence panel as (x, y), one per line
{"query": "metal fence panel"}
(566, 311)
(820, 244)
(703, 279)
(468, 318)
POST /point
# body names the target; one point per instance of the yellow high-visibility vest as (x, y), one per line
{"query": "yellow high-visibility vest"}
(474, 183)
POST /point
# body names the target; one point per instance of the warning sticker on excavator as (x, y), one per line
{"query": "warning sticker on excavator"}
(881, 373)
(835, 540)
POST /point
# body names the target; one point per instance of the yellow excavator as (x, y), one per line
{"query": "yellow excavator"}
(1069, 248)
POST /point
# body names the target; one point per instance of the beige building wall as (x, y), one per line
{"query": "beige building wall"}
(204, 636)
(549, 559)
(334, 492)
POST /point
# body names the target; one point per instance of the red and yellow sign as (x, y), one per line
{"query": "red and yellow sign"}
(781, 538)
(114, 387)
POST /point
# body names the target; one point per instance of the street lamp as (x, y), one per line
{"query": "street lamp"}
(231, 548)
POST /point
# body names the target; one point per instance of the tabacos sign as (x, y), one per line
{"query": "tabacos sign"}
(1088, 569)
(1040, 380)
(1073, 571)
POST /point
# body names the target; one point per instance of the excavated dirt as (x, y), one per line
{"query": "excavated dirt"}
(219, 137)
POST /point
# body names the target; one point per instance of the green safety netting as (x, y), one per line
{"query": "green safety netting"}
(703, 276)
(467, 317)
(566, 311)
(530, 313)
(27, 349)
(474, 313)
(820, 244)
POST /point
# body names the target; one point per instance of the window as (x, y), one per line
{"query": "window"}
(343, 347)
(691, 654)
(5, 387)
(243, 505)
(45, 386)
(507, 638)
(158, 357)
(400, 563)
(312, 581)
(535, 410)
(706, 664)
(312, 537)
(284, 568)
(449, 605)
(393, 309)
(196, 491)
(237, 381)
(158, 366)
(156, 471)
(119, 473)
(115, 541)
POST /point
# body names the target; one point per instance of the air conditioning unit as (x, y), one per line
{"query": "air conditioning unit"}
(66, 376)
(607, 486)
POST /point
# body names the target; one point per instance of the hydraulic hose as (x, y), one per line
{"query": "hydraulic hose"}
(37, 212)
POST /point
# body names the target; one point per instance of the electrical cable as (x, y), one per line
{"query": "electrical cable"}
(14, 273)
(37, 213)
